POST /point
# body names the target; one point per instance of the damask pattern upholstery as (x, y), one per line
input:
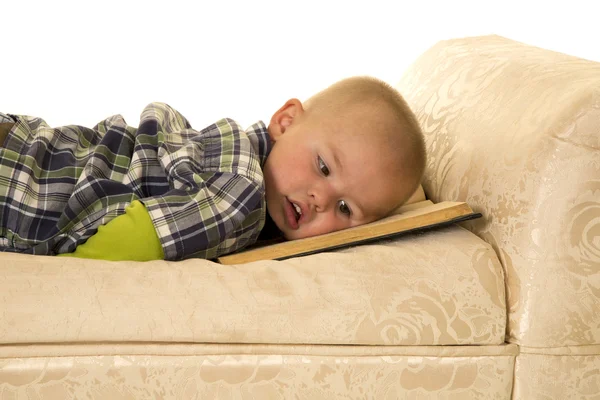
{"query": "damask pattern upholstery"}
(558, 373)
(263, 372)
(514, 131)
(371, 321)
(442, 288)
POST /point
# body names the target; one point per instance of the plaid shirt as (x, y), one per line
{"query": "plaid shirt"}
(204, 189)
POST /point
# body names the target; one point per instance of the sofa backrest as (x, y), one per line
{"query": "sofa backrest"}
(514, 131)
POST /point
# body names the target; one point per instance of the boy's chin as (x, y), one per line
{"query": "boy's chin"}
(298, 234)
(290, 234)
(287, 233)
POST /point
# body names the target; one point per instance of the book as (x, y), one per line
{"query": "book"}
(415, 217)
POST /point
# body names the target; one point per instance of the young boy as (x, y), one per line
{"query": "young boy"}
(347, 156)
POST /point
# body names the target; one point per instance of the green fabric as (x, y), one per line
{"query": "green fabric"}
(130, 236)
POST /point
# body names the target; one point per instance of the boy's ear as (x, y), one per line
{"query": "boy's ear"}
(284, 117)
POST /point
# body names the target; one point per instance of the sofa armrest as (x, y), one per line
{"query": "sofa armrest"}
(513, 130)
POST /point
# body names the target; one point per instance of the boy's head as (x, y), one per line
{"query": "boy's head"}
(349, 155)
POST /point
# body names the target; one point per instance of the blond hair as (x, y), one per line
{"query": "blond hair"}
(389, 115)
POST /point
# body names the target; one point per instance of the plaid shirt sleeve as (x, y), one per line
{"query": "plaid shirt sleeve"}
(216, 201)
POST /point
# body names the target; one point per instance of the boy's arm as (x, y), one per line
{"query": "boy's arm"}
(130, 236)
(216, 203)
(225, 212)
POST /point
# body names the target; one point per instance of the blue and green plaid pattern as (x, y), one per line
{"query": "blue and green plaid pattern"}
(204, 189)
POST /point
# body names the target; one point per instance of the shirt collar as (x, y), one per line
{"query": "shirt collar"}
(260, 140)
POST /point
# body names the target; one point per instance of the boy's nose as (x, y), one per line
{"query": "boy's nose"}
(322, 197)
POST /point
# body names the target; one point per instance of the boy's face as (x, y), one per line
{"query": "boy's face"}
(323, 176)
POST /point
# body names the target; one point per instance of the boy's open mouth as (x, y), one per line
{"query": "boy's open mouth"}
(294, 213)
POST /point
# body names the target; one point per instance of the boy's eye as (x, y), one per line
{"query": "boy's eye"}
(344, 209)
(323, 168)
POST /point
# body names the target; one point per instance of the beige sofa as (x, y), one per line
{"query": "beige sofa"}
(507, 306)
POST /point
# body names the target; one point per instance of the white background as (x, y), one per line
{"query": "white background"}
(77, 62)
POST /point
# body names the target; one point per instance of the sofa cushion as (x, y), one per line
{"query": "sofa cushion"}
(443, 287)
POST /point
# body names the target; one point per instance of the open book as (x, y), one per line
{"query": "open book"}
(410, 218)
